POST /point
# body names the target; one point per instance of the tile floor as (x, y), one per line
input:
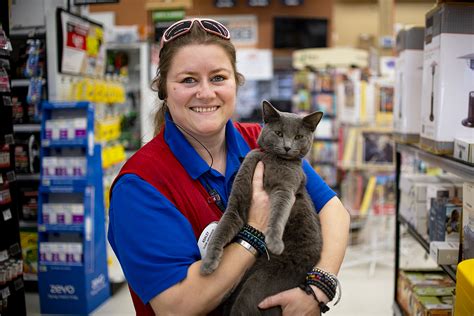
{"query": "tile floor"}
(367, 278)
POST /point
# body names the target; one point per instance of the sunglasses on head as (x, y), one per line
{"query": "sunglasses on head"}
(184, 26)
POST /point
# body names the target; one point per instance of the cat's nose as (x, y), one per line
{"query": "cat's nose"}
(287, 148)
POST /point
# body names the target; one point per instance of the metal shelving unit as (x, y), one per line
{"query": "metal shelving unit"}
(449, 164)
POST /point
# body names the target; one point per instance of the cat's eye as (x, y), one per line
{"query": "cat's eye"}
(298, 137)
(279, 134)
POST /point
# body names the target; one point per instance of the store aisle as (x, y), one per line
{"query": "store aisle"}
(363, 293)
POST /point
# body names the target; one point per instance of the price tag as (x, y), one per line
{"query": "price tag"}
(15, 249)
(7, 214)
(5, 292)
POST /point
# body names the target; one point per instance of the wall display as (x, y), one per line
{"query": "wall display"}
(87, 2)
(243, 28)
(292, 3)
(225, 3)
(258, 3)
(81, 48)
(375, 148)
(297, 33)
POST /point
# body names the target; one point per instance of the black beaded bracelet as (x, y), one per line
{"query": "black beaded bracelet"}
(308, 290)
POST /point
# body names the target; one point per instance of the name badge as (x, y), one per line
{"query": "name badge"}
(205, 237)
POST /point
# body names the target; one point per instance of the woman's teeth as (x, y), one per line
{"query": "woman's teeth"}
(204, 109)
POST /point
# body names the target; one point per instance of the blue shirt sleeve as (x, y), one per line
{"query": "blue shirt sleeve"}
(319, 191)
(153, 241)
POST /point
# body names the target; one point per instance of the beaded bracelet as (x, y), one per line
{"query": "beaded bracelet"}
(326, 282)
(255, 238)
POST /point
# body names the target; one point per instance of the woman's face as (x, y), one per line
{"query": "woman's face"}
(201, 89)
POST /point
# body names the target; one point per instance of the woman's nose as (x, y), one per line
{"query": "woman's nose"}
(205, 91)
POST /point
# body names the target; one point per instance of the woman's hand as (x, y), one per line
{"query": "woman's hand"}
(260, 207)
(293, 302)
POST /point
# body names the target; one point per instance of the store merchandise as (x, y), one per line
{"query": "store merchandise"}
(425, 293)
(408, 79)
(467, 231)
(464, 149)
(444, 252)
(464, 304)
(447, 76)
(71, 216)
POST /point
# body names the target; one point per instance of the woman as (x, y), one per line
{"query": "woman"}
(174, 187)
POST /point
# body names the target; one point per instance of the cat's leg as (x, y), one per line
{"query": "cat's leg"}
(234, 217)
(281, 203)
(228, 227)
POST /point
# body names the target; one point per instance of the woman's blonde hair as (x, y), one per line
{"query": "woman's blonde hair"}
(196, 36)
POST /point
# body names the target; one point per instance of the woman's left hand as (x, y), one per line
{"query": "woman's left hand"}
(292, 302)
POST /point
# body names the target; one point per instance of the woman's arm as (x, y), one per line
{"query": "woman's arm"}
(198, 294)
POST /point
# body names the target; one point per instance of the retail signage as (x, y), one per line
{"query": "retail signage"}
(225, 3)
(80, 45)
(243, 28)
(163, 19)
(292, 3)
(85, 2)
(258, 3)
(255, 64)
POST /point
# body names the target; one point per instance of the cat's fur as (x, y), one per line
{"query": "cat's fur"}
(294, 234)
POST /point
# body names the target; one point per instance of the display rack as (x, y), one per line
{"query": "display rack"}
(72, 277)
(449, 164)
(12, 294)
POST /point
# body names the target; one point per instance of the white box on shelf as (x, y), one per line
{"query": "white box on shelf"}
(445, 253)
(463, 148)
(408, 82)
(448, 73)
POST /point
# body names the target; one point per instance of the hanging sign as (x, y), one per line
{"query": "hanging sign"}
(80, 45)
(258, 3)
(164, 19)
(224, 3)
(292, 3)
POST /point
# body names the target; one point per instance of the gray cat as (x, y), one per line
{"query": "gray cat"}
(294, 233)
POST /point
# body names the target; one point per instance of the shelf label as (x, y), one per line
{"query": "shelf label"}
(7, 214)
(3, 255)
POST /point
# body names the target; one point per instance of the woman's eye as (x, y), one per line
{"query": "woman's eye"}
(279, 134)
(188, 80)
(298, 137)
(217, 78)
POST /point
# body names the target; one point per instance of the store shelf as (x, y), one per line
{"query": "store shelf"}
(373, 168)
(26, 128)
(424, 243)
(28, 177)
(61, 228)
(27, 224)
(458, 167)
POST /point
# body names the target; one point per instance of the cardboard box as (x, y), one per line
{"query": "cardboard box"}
(447, 76)
(443, 252)
(408, 84)
(463, 149)
(467, 232)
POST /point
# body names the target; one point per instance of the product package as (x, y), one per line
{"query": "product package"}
(467, 231)
(448, 73)
(408, 84)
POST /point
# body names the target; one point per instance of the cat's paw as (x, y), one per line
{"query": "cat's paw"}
(210, 262)
(275, 245)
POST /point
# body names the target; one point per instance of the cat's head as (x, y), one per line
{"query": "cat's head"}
(287, 135)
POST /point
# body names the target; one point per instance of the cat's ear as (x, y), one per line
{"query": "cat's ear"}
(312, 120)
(269, 112)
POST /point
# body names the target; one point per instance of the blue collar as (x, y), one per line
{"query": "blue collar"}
(194, 165)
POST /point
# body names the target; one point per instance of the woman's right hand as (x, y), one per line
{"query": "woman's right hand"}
(259, 212)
